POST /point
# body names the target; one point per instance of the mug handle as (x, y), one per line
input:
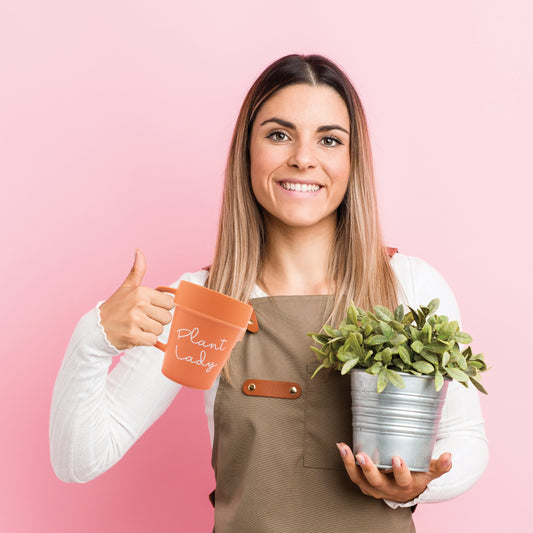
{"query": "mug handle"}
(158, 344)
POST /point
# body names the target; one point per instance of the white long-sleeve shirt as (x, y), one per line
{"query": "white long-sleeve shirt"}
(96, 415)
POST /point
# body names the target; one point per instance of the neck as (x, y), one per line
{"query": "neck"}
(297, 260)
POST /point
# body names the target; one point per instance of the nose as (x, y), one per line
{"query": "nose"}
(302, 156)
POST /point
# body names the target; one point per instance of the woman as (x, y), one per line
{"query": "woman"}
(299, 237)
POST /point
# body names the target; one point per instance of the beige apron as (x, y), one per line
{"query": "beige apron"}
(276, 464)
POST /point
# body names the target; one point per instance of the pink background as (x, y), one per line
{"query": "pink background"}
(115, 119)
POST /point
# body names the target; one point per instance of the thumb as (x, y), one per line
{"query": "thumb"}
(137, 272)
(442, 465)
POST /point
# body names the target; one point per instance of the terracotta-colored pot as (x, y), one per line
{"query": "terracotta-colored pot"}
(205, 328)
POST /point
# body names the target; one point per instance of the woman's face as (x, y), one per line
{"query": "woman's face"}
(300, 155)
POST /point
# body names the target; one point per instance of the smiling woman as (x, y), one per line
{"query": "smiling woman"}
(299, 239)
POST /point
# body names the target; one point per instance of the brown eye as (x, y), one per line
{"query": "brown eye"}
(330, 141)
(278, 136)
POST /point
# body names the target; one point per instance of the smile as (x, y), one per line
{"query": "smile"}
(299, 187)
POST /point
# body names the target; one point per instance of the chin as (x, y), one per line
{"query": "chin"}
(309, 222)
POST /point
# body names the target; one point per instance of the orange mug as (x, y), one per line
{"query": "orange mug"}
(204, 330)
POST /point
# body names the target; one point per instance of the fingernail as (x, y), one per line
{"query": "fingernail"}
(447, 462)
(360, 459)
(341, 449)
(396, 462)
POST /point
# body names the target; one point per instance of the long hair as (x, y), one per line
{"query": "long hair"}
(359, 267)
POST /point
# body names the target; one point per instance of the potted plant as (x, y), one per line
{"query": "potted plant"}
(400, 365)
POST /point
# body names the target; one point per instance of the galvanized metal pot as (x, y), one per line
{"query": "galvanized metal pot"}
(400, 422)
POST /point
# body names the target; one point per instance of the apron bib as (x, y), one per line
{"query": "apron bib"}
(276, 465)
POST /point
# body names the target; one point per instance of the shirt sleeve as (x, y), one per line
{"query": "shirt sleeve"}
(461, 430)
(97, 415)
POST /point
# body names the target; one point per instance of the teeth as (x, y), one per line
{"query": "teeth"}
(300, 187)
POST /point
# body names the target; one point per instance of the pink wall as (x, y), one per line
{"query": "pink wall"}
(115, 118)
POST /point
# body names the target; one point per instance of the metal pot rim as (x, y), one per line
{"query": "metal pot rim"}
(406, 374)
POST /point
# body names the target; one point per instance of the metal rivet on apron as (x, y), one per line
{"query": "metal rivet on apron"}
(293, 390)
(251, 387)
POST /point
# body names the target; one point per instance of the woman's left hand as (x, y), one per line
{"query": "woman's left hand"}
(401, 485)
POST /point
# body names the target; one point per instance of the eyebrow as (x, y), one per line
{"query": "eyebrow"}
(290, 125)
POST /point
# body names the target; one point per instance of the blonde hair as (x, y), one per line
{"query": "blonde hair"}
(359, 265)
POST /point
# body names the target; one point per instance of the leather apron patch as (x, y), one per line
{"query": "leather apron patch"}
(272, 389)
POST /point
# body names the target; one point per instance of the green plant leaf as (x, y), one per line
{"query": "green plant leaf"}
(416, 317)
(455, 349)
(408, 318)
(329, 330)
(397, 326)
(352, 314)
(399, 313)
(347, 329)
(423, 366)
(417, 346)
(375, 340)
(414, 333)
(461, 361)
(457, 374)
(439, 381)
(386, 330)
(445, 359)
(425, 333)
(438, 346)
(398, 364)
(433, 305)
(320, 367)
(404, 355)
(386, 356)
(382, 380)
(321, 339)
(356, 340)
(462, 337)
(349, 365)
(320, 353)
(471, 371)
(395, 378)
(375, 368)
(372, 316)
(478, 386)
(431, 357)
(345, 356)
(467, 352)
(397, 339)
(383, 313)
(448, 330)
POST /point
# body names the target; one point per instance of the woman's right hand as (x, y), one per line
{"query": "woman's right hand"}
(135, 315)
